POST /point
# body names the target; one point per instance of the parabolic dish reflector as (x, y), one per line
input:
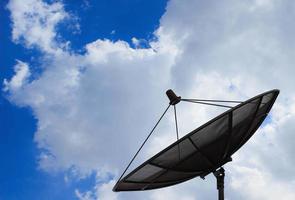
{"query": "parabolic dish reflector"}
(203, 150)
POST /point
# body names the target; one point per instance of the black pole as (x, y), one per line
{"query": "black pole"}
(219, 174)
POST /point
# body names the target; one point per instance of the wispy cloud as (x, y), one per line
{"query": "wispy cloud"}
(22, 73)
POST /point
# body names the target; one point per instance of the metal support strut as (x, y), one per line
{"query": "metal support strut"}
(219, 174)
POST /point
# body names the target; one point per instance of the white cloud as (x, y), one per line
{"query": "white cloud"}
(105, 191)
(34, 23)
(94, 109)
(22, 73)
(84, 196)
(256, 184)
(100, 191)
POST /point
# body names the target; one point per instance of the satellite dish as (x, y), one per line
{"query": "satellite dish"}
(202, 151)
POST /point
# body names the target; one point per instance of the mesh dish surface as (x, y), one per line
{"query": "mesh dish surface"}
(203, 150)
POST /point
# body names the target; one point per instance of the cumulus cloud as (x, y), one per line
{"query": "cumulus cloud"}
(34, 23)
(83, 101)
(94, 109)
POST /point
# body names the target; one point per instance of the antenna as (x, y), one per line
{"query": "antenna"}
(204, 150)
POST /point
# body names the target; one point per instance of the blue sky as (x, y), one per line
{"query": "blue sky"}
(20, 175)
(74, 74)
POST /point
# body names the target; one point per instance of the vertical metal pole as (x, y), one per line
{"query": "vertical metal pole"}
(219, 174)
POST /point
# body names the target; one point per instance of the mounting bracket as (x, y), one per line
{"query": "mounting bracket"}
(172, 97)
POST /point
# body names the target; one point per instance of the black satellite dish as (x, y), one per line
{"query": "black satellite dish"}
(204, 150)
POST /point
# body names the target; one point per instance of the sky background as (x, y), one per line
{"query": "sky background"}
(82, 83)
